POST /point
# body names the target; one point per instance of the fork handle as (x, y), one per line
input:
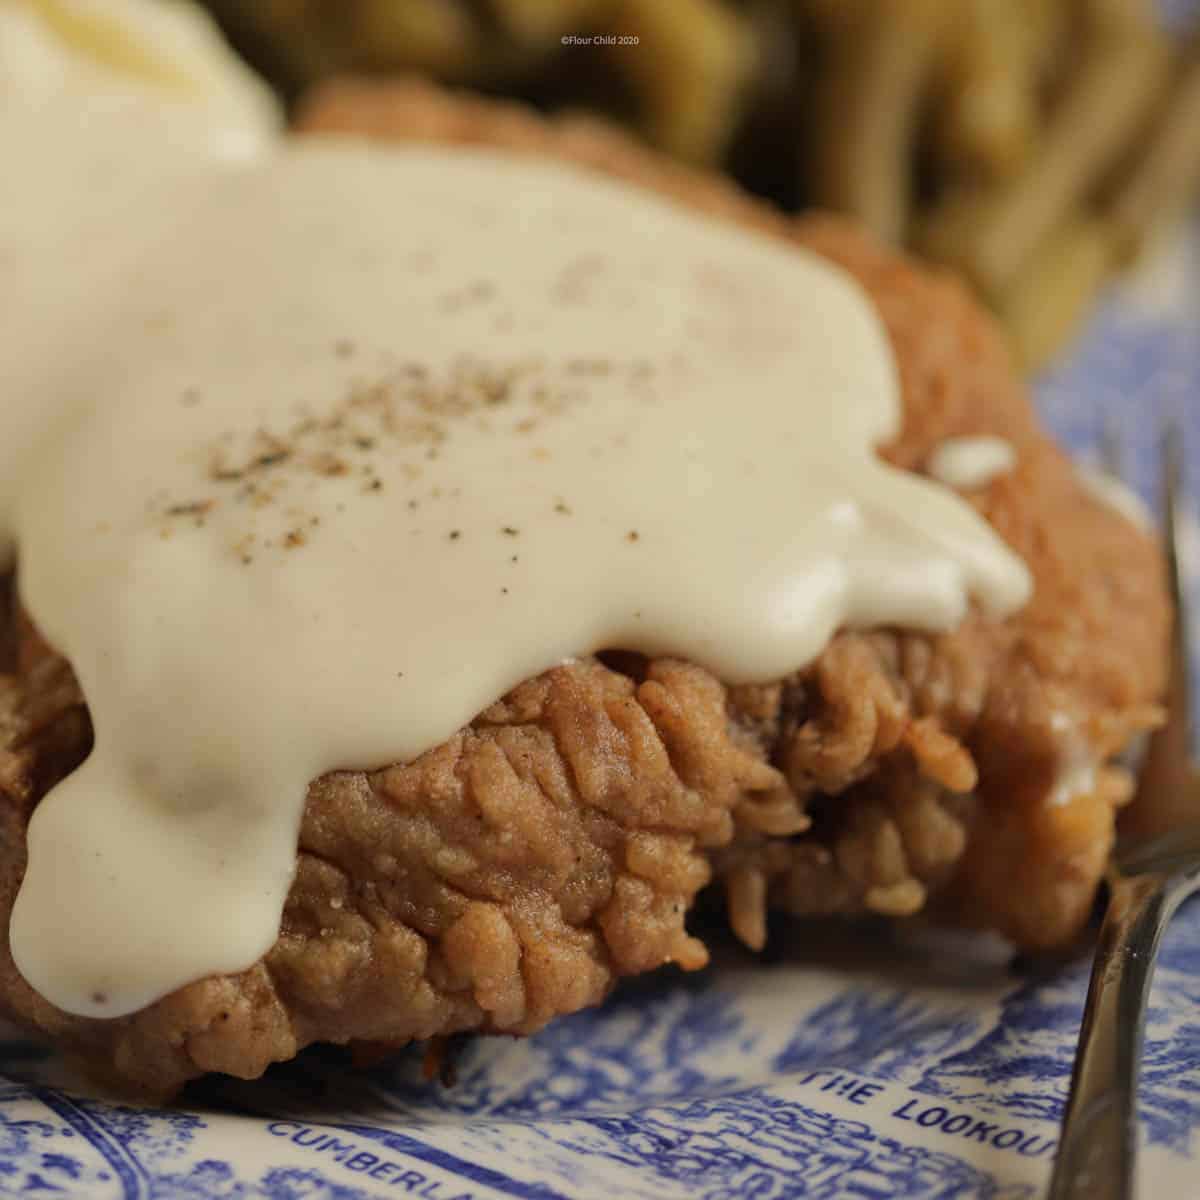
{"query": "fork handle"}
(1098, 1144)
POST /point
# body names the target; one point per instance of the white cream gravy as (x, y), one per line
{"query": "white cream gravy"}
(314, 459)
(971, 463)
(160, 66)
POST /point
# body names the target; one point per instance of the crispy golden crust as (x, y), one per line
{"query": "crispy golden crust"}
(557, 843)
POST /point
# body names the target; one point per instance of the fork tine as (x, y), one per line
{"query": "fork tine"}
(1172, 469)
(1166, 797)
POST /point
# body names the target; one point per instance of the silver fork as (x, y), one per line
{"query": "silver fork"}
(1156, 868)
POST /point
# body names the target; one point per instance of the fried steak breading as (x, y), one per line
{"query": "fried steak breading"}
(557, 843)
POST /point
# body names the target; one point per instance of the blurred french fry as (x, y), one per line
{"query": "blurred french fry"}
(690, 68)
(1114, 88)
(540, 23)
(286, 38)
(874, 76)
(1052, 23)
(987, 115)
(423, 35)
(1112, 16)
(945, 232)
(1045, 305)
(775, 26)
(1165, 175)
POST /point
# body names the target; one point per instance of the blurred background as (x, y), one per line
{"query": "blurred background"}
(1040, 146)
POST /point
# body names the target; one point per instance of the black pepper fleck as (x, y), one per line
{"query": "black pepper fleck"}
(193, 508)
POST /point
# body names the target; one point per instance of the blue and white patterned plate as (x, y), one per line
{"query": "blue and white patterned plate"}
(924, 1069)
